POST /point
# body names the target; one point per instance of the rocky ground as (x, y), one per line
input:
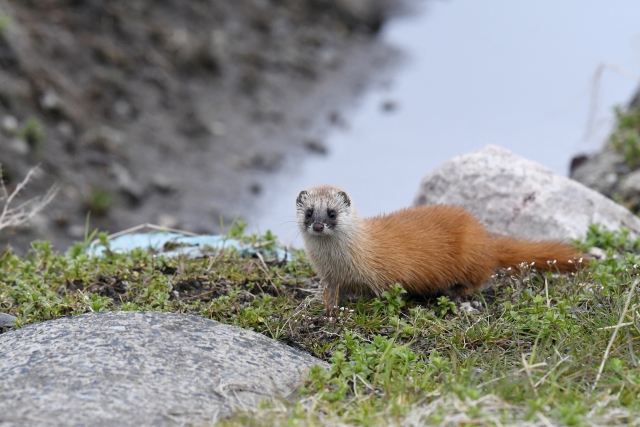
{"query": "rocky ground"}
(170, 112)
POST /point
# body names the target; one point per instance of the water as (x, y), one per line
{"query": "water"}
(516, 74)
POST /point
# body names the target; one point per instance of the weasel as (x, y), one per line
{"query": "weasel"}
(426, 249)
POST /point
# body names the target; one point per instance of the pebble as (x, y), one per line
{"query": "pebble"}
(6, 320)
(19, 146)
(10, 124)
(166, 220)
(315, 146)
(50, 101)
(466, 307)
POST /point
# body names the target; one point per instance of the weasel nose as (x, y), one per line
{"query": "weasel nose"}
(318, 226)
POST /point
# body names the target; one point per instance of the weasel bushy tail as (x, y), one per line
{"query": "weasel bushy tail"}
(511, 252)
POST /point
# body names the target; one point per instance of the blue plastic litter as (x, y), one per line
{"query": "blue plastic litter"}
(171, 245)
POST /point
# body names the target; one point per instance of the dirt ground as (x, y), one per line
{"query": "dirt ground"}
(172, 112)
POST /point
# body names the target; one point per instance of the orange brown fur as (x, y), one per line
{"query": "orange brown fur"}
(426, 249)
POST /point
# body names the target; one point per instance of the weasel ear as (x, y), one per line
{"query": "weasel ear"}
(303, 194)
(344, 196)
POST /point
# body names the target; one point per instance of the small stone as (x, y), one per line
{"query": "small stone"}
(126, 183)
(192, 126)
(255, 189)
(19, 146)
(269, 162)
(10, 124)
(62, 219)
(466, 307)
(219, 40)
(104, 138)
(578, 310)
(315, 146)
(111, 134)
(597, 253)
(335, 117)
(66, 130)
(329, 57)
(6, 320)
(50, 101)
(166, 220)
(76, 231)
(389, 106)
(123, 109)
(218, 128)
(163, 183)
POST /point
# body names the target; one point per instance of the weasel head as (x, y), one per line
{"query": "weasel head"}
(324, 211)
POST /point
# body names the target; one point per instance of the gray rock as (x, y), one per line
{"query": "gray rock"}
(50, 101)
(601, 171)
(66, 130)
(19, 146)
(166, 220)
(515, 196)
(6, 320)
(164, 183)
(123, 109)
(218, 128)
(316, 146)
(103, 138)
(76, 231)
(126, 183)
(140, 369)
(10, 124)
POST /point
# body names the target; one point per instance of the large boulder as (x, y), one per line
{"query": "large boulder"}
(515, 196)
(140, 369)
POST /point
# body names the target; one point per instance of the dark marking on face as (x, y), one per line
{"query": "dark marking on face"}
(332, 218)
(344, 196)
(319, 219)
(303, 195)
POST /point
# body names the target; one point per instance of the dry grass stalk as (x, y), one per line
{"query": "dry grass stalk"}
(22, 213)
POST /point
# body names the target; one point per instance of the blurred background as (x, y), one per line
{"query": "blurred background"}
(192, 113)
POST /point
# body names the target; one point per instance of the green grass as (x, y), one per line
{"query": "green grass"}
(530, 352)
(99, 201)
(5, 22)
(624, 137)
(34, 133)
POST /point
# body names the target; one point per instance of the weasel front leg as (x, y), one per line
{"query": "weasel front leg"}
(331, 298)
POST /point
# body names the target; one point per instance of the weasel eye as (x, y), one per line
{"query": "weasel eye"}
(332, 214)
(309, 213)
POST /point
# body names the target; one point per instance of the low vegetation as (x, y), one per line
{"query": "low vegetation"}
(5, 21)
(533, 349)
(34, 133)
(99, 201)
(624, 137)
